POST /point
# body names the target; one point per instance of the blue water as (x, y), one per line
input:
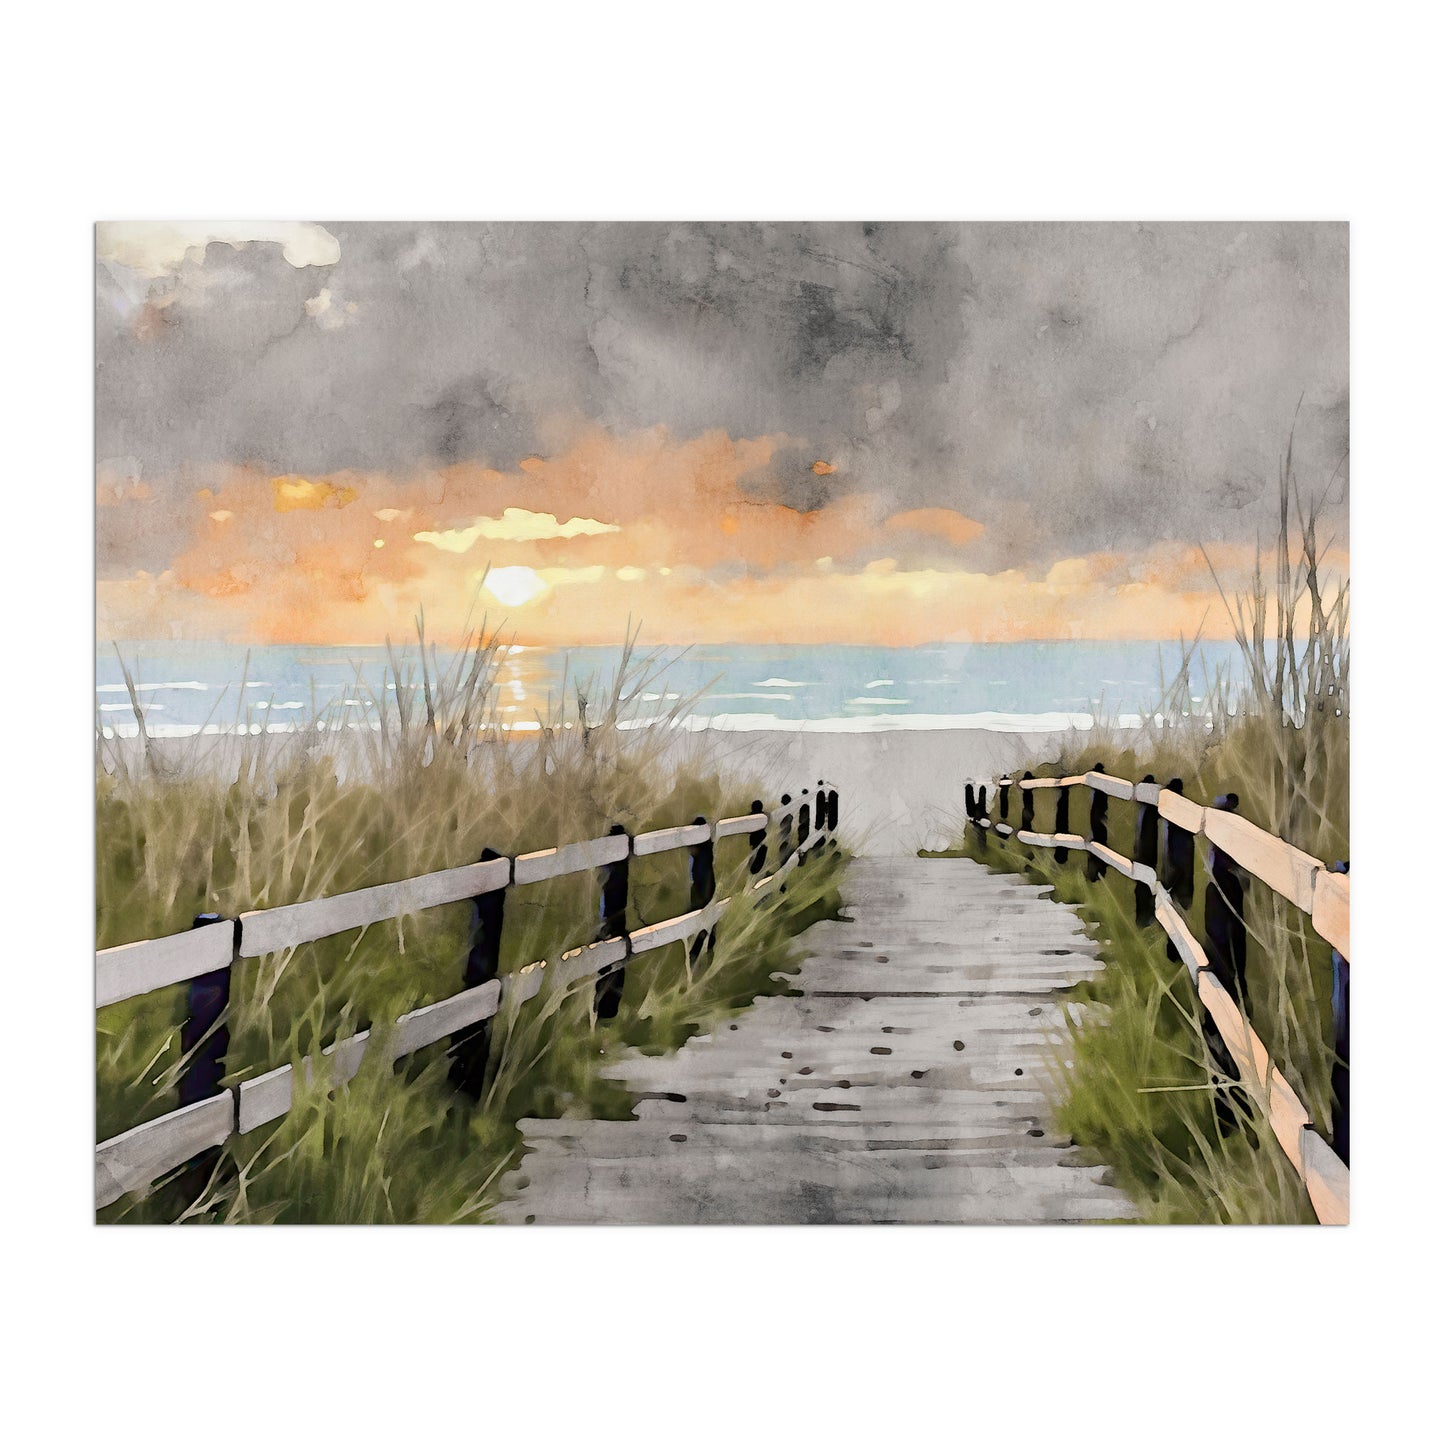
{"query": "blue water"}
(194, 687)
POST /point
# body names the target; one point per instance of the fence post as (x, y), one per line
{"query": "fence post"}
(1146, 851)
(471, 1047)
(1061, 823)
(702, 881)
(613, 924)
(980, 814)
(805, 815)
(1178, 877)
(820, 808)
(1098, 829)
(832, 810)
(204, 1035)
(1225, 938)
(1026, 812)
(785, 832)
(1340, 1072)
(758, 843)
(1225, 941)
(1003, 786)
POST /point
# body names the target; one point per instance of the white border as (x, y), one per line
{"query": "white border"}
(1052, 111)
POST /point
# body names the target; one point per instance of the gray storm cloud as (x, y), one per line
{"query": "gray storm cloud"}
(1074, 387)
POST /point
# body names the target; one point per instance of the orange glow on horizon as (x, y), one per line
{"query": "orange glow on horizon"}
(671, 534)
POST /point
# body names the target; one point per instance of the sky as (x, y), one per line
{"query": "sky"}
(890, 433)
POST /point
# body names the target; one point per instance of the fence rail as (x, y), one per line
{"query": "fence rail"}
(204, 956)
(1163, 874)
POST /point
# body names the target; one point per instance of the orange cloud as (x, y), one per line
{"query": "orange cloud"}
(296, 494)
(676, 534)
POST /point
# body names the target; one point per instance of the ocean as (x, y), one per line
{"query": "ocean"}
(189, 688)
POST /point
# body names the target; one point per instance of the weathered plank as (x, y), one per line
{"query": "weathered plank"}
(1117, 861)
(272, 929)
(1326, 1179)
(1288, 1117)
(675, 930)
(664, 840)
(1330, 910)
(813, 1188)
(585, 962)
(265, 1099)
(526, 982)
(136, 968)
(131, 1161)
(1244, 1045)
(1182, 812)
(748, 823)
(1284, 868)
(440, 1020)
(571, 858)
(1183, 940)
(1106, 783)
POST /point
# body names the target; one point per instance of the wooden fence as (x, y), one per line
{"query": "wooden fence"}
(1163, 871)
(204, 957)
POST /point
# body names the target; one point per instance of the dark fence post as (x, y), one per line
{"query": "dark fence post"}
(832, 810)
(613, 925)
(1225, 938)
(1340, 1073)
(1061, 823)
(970, 808)
(1178, 877)
(758, 843)
(1003, 787)
(820, 808)
(785, 832)
(471, 1047)
(805, 817)
(1098, 829)
(1225, 941)
(1146, 851)
(1026, 806)
(204, 1035)
(702, 879)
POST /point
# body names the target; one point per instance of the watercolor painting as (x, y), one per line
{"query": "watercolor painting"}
(639, 723)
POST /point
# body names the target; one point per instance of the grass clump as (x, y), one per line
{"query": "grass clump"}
(257, 820)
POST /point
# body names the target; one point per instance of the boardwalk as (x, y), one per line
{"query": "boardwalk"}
(907, 1083)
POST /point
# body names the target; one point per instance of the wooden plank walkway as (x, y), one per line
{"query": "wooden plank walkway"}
(907, 1082)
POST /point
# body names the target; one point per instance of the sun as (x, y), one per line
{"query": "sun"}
(514, 586)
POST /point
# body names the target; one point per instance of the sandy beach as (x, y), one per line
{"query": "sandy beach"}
(899, 790)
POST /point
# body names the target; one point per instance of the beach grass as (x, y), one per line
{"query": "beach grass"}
(1136, 1081)
(257, 820)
